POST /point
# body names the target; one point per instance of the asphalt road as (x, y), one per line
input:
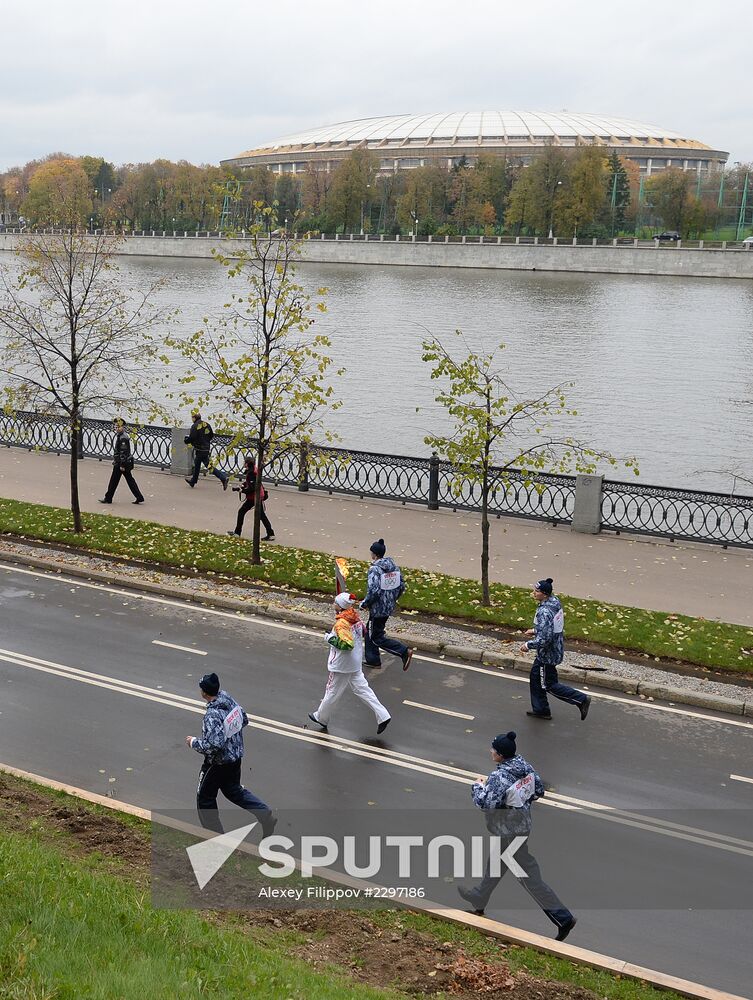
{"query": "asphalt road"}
(661, 877)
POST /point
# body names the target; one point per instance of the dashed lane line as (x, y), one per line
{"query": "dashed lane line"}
(498, 673)
(439, 711)
(182, 649)
(741, 777)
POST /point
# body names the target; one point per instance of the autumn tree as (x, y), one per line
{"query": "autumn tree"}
(584, 191)
(72, 339)
(258, 365)
(59, 194)
(351, 190)
(496, 430)
(423, 198)
(668, 194)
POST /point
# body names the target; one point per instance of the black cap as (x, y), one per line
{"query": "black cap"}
(545, 586)
(378, 548)
(210, 684)
(504, 744)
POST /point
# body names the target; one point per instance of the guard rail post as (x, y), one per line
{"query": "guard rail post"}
(303, 467)
(181, 456)
(587, 511)
(433, 482)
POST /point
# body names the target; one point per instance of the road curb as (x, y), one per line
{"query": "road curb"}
(472, 654)
(505, 932)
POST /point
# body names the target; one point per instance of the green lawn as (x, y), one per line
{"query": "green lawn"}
(651, 633)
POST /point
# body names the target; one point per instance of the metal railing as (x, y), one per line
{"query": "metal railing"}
(49, 432)
(691, 515)
(469, 240)
(688, 515)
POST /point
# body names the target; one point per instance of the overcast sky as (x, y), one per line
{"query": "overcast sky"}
(136, 80)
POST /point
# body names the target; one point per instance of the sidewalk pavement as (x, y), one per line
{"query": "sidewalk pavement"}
(701, 580)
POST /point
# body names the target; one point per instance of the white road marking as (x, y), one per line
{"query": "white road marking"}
(183, 649)
(384, 756)
(740, 777)
(634, 701)
(439, 711)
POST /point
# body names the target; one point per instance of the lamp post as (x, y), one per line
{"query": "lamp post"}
(551, 209)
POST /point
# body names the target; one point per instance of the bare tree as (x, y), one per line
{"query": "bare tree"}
(72, 339)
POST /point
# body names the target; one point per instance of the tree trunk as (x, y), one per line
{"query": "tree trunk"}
(485, 597)
(256, 542)
(76, 430)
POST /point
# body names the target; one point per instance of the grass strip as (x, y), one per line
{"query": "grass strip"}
(76, 924)
(67, 931)
(612, 626)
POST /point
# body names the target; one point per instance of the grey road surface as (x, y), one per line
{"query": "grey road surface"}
(90, 695)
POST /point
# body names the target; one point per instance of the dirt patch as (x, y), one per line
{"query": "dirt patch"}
(381, 954)
(404, 959)
(78, 829)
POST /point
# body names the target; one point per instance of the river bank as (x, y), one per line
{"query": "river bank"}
(620, 257)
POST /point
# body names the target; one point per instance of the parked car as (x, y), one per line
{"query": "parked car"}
(748, 242)
(667, 236)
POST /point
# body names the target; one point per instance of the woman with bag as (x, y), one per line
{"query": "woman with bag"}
(247, 490)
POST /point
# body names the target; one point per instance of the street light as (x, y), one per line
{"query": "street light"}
(551, 209)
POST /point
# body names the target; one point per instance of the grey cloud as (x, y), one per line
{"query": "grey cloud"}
(145, 80)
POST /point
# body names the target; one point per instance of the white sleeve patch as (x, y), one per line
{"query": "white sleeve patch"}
(391, 581)
(559, 621)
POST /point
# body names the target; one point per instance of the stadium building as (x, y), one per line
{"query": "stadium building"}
(402, 142)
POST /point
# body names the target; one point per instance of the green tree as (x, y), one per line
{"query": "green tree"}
(496, 430)
(352, 189)
(72, 339)
(520, 206)
(668, 194)
(617, 203)
(259, 364)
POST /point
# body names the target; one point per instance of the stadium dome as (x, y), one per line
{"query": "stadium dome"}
(406, 141)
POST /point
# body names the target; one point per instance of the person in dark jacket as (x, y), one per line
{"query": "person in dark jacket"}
(385, 586)
(199, 438)
(247, 489)
(221, 744)
(549, 642)
(506, 797)
(122, 465)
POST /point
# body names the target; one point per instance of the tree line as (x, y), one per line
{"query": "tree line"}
(581, 192)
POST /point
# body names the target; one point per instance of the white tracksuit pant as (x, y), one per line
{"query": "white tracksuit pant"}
(337, 683)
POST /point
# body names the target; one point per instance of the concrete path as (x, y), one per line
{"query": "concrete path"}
(701, 580)
(659, 883)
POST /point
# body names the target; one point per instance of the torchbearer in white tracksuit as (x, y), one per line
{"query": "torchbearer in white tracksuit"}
(344, 665)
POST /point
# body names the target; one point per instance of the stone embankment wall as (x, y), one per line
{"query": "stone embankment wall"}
(648, 259)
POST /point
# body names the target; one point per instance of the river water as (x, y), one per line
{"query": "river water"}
(662, 366)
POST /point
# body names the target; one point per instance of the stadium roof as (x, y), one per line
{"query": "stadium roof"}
(455, 127)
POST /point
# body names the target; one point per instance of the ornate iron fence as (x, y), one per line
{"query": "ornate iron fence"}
(691, 515)
(687, 515)
(50, 432)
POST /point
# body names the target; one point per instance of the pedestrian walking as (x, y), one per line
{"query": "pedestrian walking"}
(200, 438)
(344, 666)
(122, 465)
(385, 587)
(506, 796)
(221, 744)
(549, 642)
(247, 490)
